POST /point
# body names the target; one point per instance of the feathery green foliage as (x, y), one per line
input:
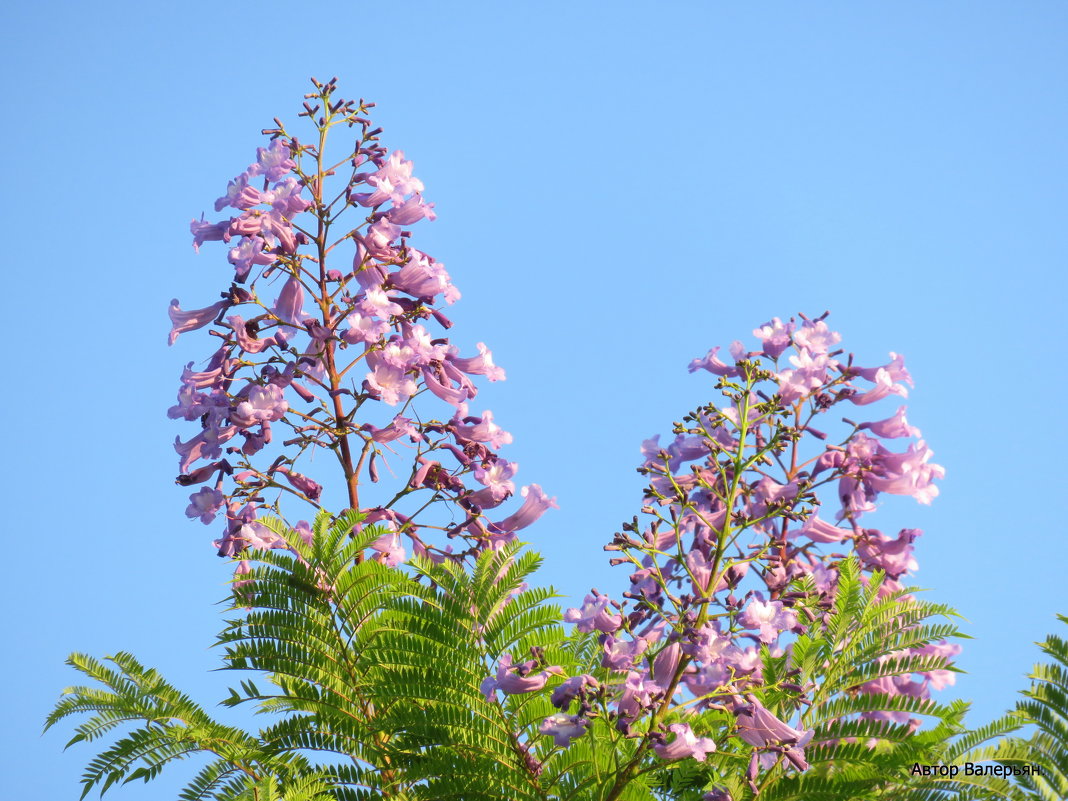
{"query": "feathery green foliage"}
(1044, 709)
(303, 612)
(372, 677)
(373, 674)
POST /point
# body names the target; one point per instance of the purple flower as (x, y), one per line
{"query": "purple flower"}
(594, 615)
(277, 226)
(758, 727)
(205, 504)
(516, 679)
(481, 364)
(869, 468)
(273, 162)
(380, 195)
(907, 473)
(260, 537)
(665, 665)
(285, 198)
(239, 194)
(193, 404)
(498, 474)
(819, 530)
(774, 336)
(182, 321)
(203, 473)
(364, 328)
(411, 211)
(638, 694)
(398, 427)
(389, 383)
(397, 352)
(744, 660)
(205, 445)
(572, 688)
(481, 429)
(884, 386)
(244, 567)
(380, 237)
(397, 173)
(255, 440)
(216, 372)
(289, 307)
(896, 370)
(261, 405)
(496, 478)
(825, 578)
(706, 679)
(816, 337)
(536, 504)
(245, 340)
(204, 231)
(770, 618)
(622, 654)
(388, 549)
(378, 302)
(741, 661)
(712, 363)
(440, 385)
(810, 373)
(392, 182)
(423, 277)
(301, 483)
(878, 551)
(768, 492)
(707, 644)
(685, 744)
(248, 253)
(895, 685)
(563, 728)
(422, 345)
(701, 570)
(892, 427)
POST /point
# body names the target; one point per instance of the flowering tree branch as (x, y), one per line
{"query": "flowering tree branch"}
(345, 336)
(766, 646)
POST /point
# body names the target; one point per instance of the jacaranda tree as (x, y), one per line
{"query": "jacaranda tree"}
(766, 645)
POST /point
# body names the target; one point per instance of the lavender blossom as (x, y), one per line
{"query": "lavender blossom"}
(563, 728)
(685, 744)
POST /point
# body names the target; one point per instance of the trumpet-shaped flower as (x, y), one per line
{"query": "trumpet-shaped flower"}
(685, 744)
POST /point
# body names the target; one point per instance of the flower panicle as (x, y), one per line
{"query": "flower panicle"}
(331, 329)
(751, 496)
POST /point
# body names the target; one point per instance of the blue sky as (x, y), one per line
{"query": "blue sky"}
(619, 186)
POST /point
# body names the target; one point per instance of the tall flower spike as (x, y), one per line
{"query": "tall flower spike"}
(749, 497)
(321, 342)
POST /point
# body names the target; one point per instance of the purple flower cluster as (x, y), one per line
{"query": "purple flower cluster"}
(332, 349)
(746, 501)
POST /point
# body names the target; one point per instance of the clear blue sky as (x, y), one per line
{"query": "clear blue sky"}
(619, 187)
